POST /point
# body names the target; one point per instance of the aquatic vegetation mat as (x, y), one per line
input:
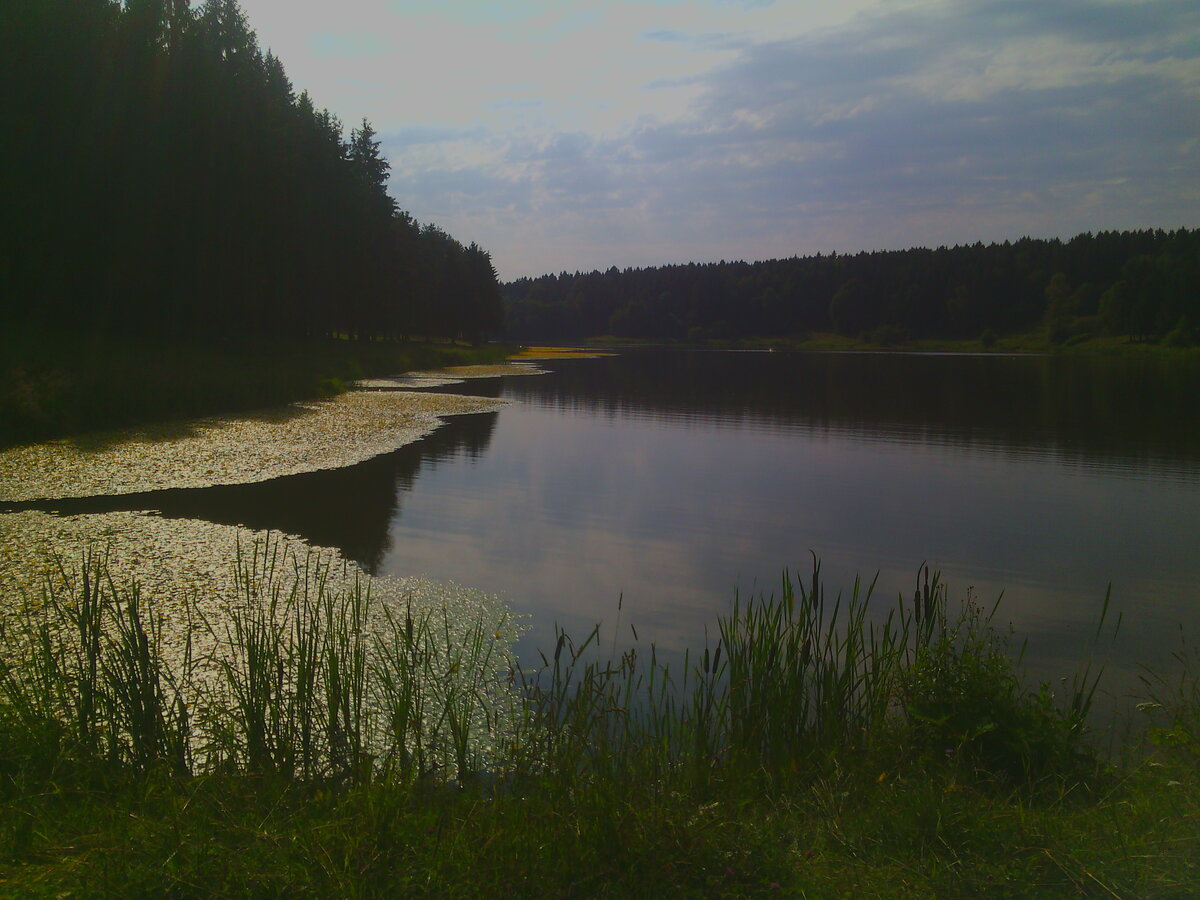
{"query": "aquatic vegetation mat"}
(560, 353)
(303, 437)
(223, 628)
(205, 618)
(405, 382)
(483, 371)
(447, 376)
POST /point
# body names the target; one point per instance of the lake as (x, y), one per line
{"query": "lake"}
(669, 481)
(674, 479)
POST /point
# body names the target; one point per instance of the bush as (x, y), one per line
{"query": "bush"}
(1057, 331)
(1181, 335)
(963, 698)
(888, 336)
(331, 387)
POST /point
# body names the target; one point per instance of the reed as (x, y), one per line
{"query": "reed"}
(310, 677)
(307, 677)
(84, 679)
(329, 739)
(798, 683)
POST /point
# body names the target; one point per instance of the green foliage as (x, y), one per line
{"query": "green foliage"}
(52, 386)
(1057, 332)
(330, 387)
(1182, 335)
(1154, 296)
(792, 679)
(1174, 705)
(941, 294)
(851, 308)
(304, 680)
(1076, 339)
(170, 185)
(888, 336)
(803, 754)
(964, 700)
(86, 674)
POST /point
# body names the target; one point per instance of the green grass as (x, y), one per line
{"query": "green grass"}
(822, 746)
(1033, 342)
(52, 385)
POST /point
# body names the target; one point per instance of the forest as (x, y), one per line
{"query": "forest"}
(1142, 284)
(162, 180)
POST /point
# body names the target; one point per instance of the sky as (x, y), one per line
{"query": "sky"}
(578, 135)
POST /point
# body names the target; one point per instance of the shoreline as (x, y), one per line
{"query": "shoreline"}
(293, 439)
(858, 769)
(189, 565)
(994, 793)
(1026, 344)
(59, 387)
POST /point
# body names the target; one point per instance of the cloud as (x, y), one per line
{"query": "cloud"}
(913, 123)
(402, 138)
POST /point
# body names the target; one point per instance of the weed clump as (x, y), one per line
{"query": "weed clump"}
(963, 698)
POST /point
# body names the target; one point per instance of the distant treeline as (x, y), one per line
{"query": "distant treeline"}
(1145, 284)
(160, 178)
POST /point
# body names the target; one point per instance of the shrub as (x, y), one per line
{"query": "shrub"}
(1182, 335)
(1057, 331)
(888, 336)
(331, 387)
(963, 697)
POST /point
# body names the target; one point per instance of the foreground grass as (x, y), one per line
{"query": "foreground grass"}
(923, 836)
(52, 386)
(808, 753)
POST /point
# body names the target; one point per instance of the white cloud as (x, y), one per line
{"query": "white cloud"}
(594, 133)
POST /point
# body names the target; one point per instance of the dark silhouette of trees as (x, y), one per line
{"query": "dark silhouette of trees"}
(160, 178)
(1145, 284)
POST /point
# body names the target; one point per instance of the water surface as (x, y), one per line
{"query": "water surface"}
(672, 480)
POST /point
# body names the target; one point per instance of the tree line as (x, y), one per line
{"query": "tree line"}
(1138, 283)
(161, 178)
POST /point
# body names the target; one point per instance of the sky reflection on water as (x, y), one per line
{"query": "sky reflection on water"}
(674, 480)
(592, 488)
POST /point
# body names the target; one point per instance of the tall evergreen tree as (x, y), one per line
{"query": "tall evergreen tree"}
(161, 177)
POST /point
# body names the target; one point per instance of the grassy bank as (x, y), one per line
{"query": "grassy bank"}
(55, 386)
(816, 748)
(1033, 342)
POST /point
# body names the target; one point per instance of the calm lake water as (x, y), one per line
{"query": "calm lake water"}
(673, 479)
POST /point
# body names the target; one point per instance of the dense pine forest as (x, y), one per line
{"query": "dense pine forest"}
(162, 180)
(1142, 284)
